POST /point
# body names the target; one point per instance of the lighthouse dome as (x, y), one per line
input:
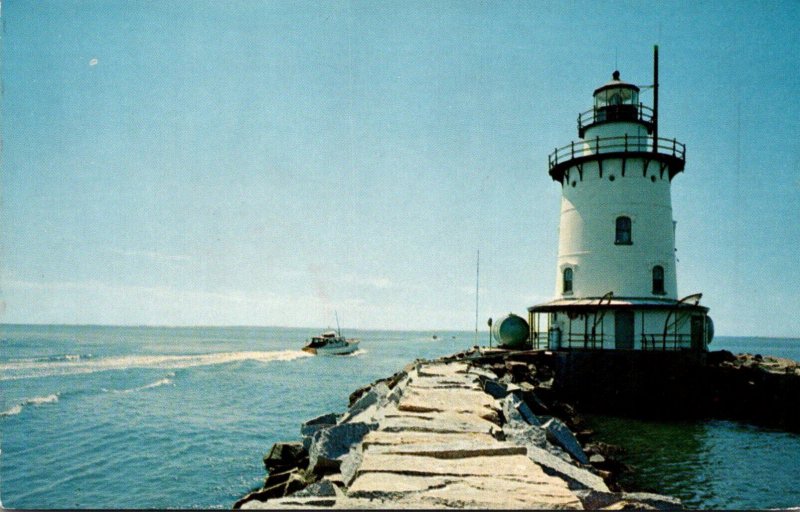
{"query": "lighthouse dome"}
(616, 92)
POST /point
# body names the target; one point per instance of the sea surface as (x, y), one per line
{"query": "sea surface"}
(713, 464)
(148, 417)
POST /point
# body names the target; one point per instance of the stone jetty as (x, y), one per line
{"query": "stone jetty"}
(473, 430)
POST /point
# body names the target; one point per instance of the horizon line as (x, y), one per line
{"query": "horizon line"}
(224, 326)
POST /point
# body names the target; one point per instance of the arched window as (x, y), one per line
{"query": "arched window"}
(658, 280)
(567, 286)
(624, 236)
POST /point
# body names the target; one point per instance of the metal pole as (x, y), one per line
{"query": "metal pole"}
(655, 99)
(477, 283)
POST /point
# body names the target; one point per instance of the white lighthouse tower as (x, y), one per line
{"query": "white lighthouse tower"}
(616, 285)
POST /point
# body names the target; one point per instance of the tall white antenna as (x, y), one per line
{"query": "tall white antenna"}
(477, 283)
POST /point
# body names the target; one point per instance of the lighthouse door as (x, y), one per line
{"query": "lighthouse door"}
(623, 330)
(697, 332)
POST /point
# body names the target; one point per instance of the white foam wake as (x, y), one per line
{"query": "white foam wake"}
(38, 400)
(161, 382)
(32, 369)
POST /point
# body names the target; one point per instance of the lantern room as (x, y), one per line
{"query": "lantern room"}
(616, 100)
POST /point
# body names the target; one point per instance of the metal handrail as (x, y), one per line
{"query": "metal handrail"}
(650, 341)
(590, 117)
(540, 339)
(599, 145)
(653, 341)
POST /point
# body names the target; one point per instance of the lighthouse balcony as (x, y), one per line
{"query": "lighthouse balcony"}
(612, 113)
(669, 153)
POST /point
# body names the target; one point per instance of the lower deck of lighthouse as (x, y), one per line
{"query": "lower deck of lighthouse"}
(617, 323)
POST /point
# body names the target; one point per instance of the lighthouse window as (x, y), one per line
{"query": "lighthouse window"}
(623, 231)
(658, 280)
(567, 280)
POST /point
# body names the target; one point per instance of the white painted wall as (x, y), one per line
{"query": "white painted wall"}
(587, 231)
(590, 205)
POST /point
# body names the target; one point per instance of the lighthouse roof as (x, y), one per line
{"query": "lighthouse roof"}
(616, 83)
(617, 303)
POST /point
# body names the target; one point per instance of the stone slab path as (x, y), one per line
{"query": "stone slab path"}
(437, 446)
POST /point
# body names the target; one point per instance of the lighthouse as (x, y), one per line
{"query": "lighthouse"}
(616, 278)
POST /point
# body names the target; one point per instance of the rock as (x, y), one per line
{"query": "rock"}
(260, 495)
(330, 444)
(293, 503)
(481, 372)
(605, 449)
(443, 422)
(502, 465)
(309, 427)
(544, 374)
(515, 409)
(458, 400)
(534, 490)
(657, 501)
(628, 505)
(596, 459)
(277, 485)
(285, 455)
(278, 478)
(559, 434)
(532, 399)
(518, 370)
(372, 397)
(495, 388)
(397, 392)
(382, 438)
(525, 435)
(576, 477)
(451, 449)
(547, 384)
(295, 483)
(317, 489)
(442, 369)
(594, 500)
(351, 463)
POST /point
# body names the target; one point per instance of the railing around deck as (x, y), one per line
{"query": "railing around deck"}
(652, 342)
(666, 342)
(623, 144)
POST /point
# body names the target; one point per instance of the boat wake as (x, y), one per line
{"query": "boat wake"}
(27, 369)
(166, 381)
(35, 401)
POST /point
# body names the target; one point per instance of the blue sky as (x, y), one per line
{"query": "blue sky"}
(268, 163)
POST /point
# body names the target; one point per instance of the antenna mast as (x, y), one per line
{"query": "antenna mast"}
(477, 282)
(655, 99)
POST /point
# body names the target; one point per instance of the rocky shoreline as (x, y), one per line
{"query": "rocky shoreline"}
(479, 429)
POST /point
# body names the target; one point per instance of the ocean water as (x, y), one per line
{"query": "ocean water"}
(142, 417)
(713, 464)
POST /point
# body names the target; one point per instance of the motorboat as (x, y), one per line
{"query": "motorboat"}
(331, 343)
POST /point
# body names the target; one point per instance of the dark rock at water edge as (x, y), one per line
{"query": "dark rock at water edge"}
(559, 434)
(330, 444)
(285, 455)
